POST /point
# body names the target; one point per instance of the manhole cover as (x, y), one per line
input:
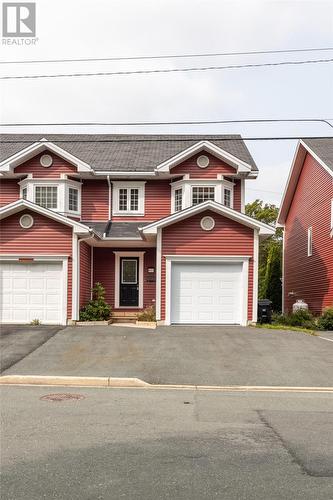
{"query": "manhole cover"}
(62, 397)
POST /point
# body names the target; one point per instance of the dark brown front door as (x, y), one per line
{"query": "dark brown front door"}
(129, 282)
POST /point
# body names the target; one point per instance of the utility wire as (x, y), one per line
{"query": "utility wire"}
(156, 139)
(169, 56)
(172, 70)
(197, 122)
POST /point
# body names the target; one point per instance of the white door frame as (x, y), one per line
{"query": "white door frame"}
(47, 258)
(241, 259)
(118, 255)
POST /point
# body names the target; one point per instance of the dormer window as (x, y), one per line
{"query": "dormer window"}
(128, 198)
(47, 196)
(62, 195)
(178, 199)
(202, 193)
(227, 197)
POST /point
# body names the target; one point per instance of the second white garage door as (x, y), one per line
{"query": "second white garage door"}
(31, 291)
(206, 293)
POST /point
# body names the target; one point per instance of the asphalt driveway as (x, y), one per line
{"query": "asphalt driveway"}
(185, 355)
(17, 341)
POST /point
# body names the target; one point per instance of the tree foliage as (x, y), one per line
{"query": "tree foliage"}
(270, 253)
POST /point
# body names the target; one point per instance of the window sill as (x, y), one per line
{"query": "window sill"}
(128, 214)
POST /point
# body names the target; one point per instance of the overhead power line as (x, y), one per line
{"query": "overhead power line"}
(168, 56)
(171, 70)
(196, 122)
(159, 139)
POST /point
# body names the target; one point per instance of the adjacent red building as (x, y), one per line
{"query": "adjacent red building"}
(158, 220)
(306, 215)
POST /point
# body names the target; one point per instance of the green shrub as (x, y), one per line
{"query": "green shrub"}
(325, 321)
(35, 322)
(301, 317)
(148, 314)
(97, 309)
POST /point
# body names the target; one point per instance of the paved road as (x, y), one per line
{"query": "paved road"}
(162, 444)
(186, 355)
(16, 342)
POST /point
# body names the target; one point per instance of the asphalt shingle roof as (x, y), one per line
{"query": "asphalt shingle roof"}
(117, 229)
(125, 153)
(322, 148)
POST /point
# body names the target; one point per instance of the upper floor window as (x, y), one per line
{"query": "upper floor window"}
(202, 193)
(178, 199)
(47, 196)
(73, 200)
(227, 197)
(310, 242)
(128, 198)
(62, 195)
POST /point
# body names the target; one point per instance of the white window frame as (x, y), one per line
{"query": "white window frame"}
(188, 184)
(62, 185)
(310, 241)
(46, 185)
(117, 185)
(207, 186)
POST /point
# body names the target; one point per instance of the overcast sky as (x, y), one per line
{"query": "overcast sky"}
(106, 28)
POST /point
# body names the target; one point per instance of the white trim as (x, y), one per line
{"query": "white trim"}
(242, 186)
(75, 277)
(207, 218)
(47, 258)
(239, 165)
(255, 275)
(264, 229)
(33, 149)
(188, 184)
(291, 185)
(283, 263)
(19, 205)
(118, 255)
(31, 223)
(244, 260)
(128, 185)
(310, 241)
(158, 273)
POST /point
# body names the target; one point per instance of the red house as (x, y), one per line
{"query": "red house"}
(156, 219)
(306, 214)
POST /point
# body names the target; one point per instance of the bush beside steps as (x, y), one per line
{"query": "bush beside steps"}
(97, 311)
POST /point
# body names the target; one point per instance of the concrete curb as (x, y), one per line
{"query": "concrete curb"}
(71, 381)
(136, 383)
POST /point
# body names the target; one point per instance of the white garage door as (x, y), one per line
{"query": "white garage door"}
(31, 291)
(206, 293)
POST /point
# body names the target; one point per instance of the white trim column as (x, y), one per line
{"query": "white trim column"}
(75, 277)
(158, 273)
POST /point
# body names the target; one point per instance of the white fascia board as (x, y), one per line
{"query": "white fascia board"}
(19, 205)
(239, 165)
(264, 229)
(291, 185)
(33, 149)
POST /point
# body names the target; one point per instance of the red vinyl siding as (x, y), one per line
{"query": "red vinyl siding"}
(104, 272)
(216, 166)
(45, 237)
(9, 191)
(310, 278)
(237, 195)
(34, 167)
(157, 202)
(85, 273)
(227, 238)
(95, 200)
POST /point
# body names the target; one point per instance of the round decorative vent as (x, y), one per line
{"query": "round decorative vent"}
(46, 160)
(26, 221)
(202, 161)
(207, 223)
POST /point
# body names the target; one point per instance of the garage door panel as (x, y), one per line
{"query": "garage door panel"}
(206, 293)
(31, 291)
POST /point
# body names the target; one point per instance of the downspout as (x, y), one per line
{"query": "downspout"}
(109, 183)
(92, 235)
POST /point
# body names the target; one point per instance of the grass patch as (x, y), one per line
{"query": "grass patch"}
(271, 326)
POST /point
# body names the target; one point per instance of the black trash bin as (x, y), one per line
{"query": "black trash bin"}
(264, 311)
